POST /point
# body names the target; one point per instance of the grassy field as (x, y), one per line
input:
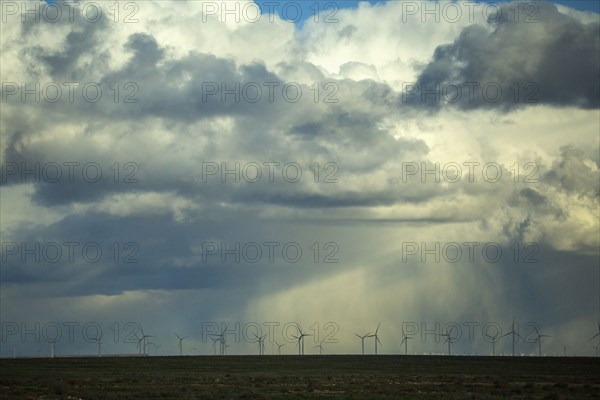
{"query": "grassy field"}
(307, 377)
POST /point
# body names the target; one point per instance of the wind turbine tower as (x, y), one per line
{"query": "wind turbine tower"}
(376, 337)
(539, 340)
(514, 334)
(405, 340)
(362, 340)
(180, 344)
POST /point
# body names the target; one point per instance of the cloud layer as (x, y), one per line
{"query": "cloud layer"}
(326, 137)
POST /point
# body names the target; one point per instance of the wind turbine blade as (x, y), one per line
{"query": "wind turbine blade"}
(516, 334)
(594, 337)
(377, 330)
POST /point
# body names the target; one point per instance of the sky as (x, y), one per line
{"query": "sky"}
(170, 168)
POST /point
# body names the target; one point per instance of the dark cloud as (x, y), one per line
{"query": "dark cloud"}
(79, 55)
(533, 196)
(165, 256)
(553, 59)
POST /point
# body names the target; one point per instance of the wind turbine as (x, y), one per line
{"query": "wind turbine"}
(222, 340)
(99, 344)
(156, 346)
(405, 340)
(539, 340)
(494, 339)
(215, 340)
(142, 342)
(180, 344)
(376, 338)
(279, 346)
(261, 344)
(300, 339)
(597, 335)
(52, 343)
(513, 333)
(564, 350)
(141, 345)
(320, 346)
(362, 340)
(449, 339)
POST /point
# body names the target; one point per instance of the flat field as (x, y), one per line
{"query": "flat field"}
(306, 377)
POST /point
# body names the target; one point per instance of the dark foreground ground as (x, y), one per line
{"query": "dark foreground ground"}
(307, 377)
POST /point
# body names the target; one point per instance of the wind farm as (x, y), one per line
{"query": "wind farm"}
(222, 199)
(308, 369)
